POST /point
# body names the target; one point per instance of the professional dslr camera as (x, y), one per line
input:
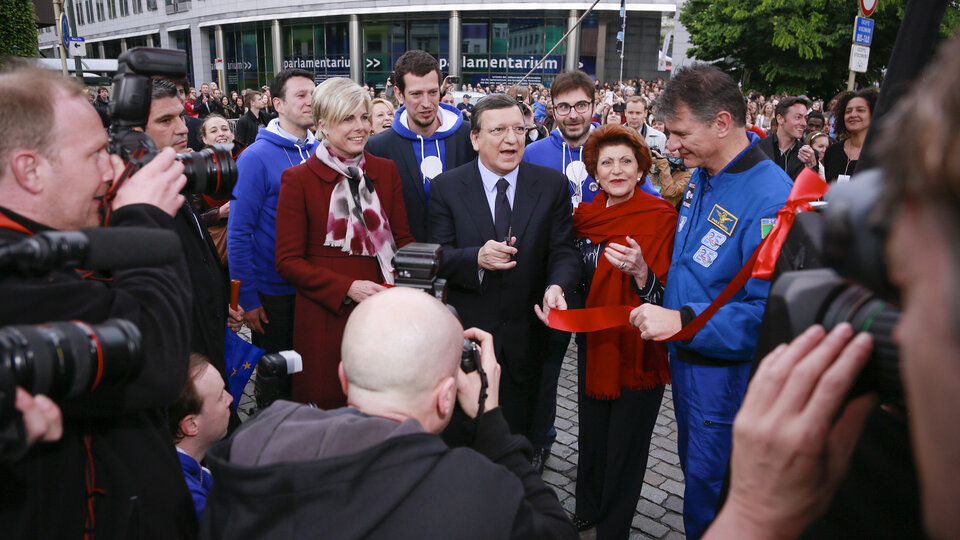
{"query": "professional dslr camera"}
(417, 266)
(831, 269)
(211, 171)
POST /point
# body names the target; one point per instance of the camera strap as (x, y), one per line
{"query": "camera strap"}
(483, 390)
(7, 223)
(807, 187)
(106, 205)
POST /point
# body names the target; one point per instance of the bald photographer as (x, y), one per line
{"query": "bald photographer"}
(377, 468)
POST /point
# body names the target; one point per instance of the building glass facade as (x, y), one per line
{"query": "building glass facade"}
(320, 46)
(248, 55)
(498, 50)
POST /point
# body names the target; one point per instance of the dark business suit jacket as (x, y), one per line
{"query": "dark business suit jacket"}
(502, 303)
(389, 144)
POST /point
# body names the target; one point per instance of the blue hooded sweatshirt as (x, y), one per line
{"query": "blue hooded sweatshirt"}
(554, 152)
(450, 122)
(252, 227)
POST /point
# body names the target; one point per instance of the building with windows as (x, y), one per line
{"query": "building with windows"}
(485, 42)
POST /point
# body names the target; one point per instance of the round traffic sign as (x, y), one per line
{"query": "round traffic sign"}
(867, 7)
(64, 30)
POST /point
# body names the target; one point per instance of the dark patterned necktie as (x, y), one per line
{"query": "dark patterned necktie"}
(502, 210)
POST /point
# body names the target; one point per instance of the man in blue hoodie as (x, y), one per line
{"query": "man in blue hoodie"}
(572, 93)
(427, 137)
(266, 298)
(731, 202)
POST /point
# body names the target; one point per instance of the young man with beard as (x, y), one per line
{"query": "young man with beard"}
(427, 137)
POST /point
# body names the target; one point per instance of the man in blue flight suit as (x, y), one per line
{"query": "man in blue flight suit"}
(730, 204)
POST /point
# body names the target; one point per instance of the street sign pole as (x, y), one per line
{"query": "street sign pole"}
(862, 39)
(60, 16)
(622, 38)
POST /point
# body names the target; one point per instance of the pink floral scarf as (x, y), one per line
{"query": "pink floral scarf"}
(356, 222)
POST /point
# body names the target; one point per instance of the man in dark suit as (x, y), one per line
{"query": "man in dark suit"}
(206, 103)
(507, 237)
(427, 137)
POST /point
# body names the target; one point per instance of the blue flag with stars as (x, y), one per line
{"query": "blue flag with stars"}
(240, 358)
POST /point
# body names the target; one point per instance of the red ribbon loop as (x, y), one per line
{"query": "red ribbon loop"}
(807, 188)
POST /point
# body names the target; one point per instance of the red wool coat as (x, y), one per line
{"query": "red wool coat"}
(323, 274)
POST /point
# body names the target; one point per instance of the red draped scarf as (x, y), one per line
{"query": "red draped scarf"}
(618, 357)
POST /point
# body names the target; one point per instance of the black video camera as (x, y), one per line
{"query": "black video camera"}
(211, 171)
(831, 269)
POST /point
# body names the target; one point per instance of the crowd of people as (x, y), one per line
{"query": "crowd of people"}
(582, 194)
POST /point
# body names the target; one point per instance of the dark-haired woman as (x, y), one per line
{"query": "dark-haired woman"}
(853, 113)
(625, 238)
(214, 212)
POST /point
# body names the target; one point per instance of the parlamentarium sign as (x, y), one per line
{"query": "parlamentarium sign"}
(469, 62)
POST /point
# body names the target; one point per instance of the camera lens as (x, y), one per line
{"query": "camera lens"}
(211, 171)
(65, 359)
(866, 312)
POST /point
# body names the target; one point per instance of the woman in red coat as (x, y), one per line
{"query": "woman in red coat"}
(340, 219)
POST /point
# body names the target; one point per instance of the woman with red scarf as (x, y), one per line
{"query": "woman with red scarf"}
(621, 376)
(340, 219)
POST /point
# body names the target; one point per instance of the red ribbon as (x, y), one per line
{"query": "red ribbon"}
(807, 188)
(589, 319)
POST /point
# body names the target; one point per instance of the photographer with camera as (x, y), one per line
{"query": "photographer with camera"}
(210, 311)
(797, 427)
(377, 468)
(114, 472)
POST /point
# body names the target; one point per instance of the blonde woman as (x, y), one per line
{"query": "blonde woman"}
(381, 115)
(340, 220)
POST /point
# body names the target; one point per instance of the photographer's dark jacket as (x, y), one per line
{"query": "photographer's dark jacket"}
(300, 472)
(115, 440)
(210, 287)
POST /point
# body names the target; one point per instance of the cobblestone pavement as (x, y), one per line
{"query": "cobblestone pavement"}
(659, 512)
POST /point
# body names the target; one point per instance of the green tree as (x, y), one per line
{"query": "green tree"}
(18, 28)
(795, 46)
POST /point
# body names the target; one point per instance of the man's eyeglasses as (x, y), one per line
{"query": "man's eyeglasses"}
(564, 108)
(498, 132)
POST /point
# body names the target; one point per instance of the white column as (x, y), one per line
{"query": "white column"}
(277, 47)
(573, 43)
(221, 50)
(454, 46)
(356, 49)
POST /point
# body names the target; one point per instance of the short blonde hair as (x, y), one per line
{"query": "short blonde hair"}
(334, 99)
(383, 102)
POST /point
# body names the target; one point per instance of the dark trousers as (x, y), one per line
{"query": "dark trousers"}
(518, 399)
(278, 333)
(613, 442)
(542, 431)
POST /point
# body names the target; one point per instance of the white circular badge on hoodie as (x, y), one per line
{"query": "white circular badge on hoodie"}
(576, 171)
(431, 167)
